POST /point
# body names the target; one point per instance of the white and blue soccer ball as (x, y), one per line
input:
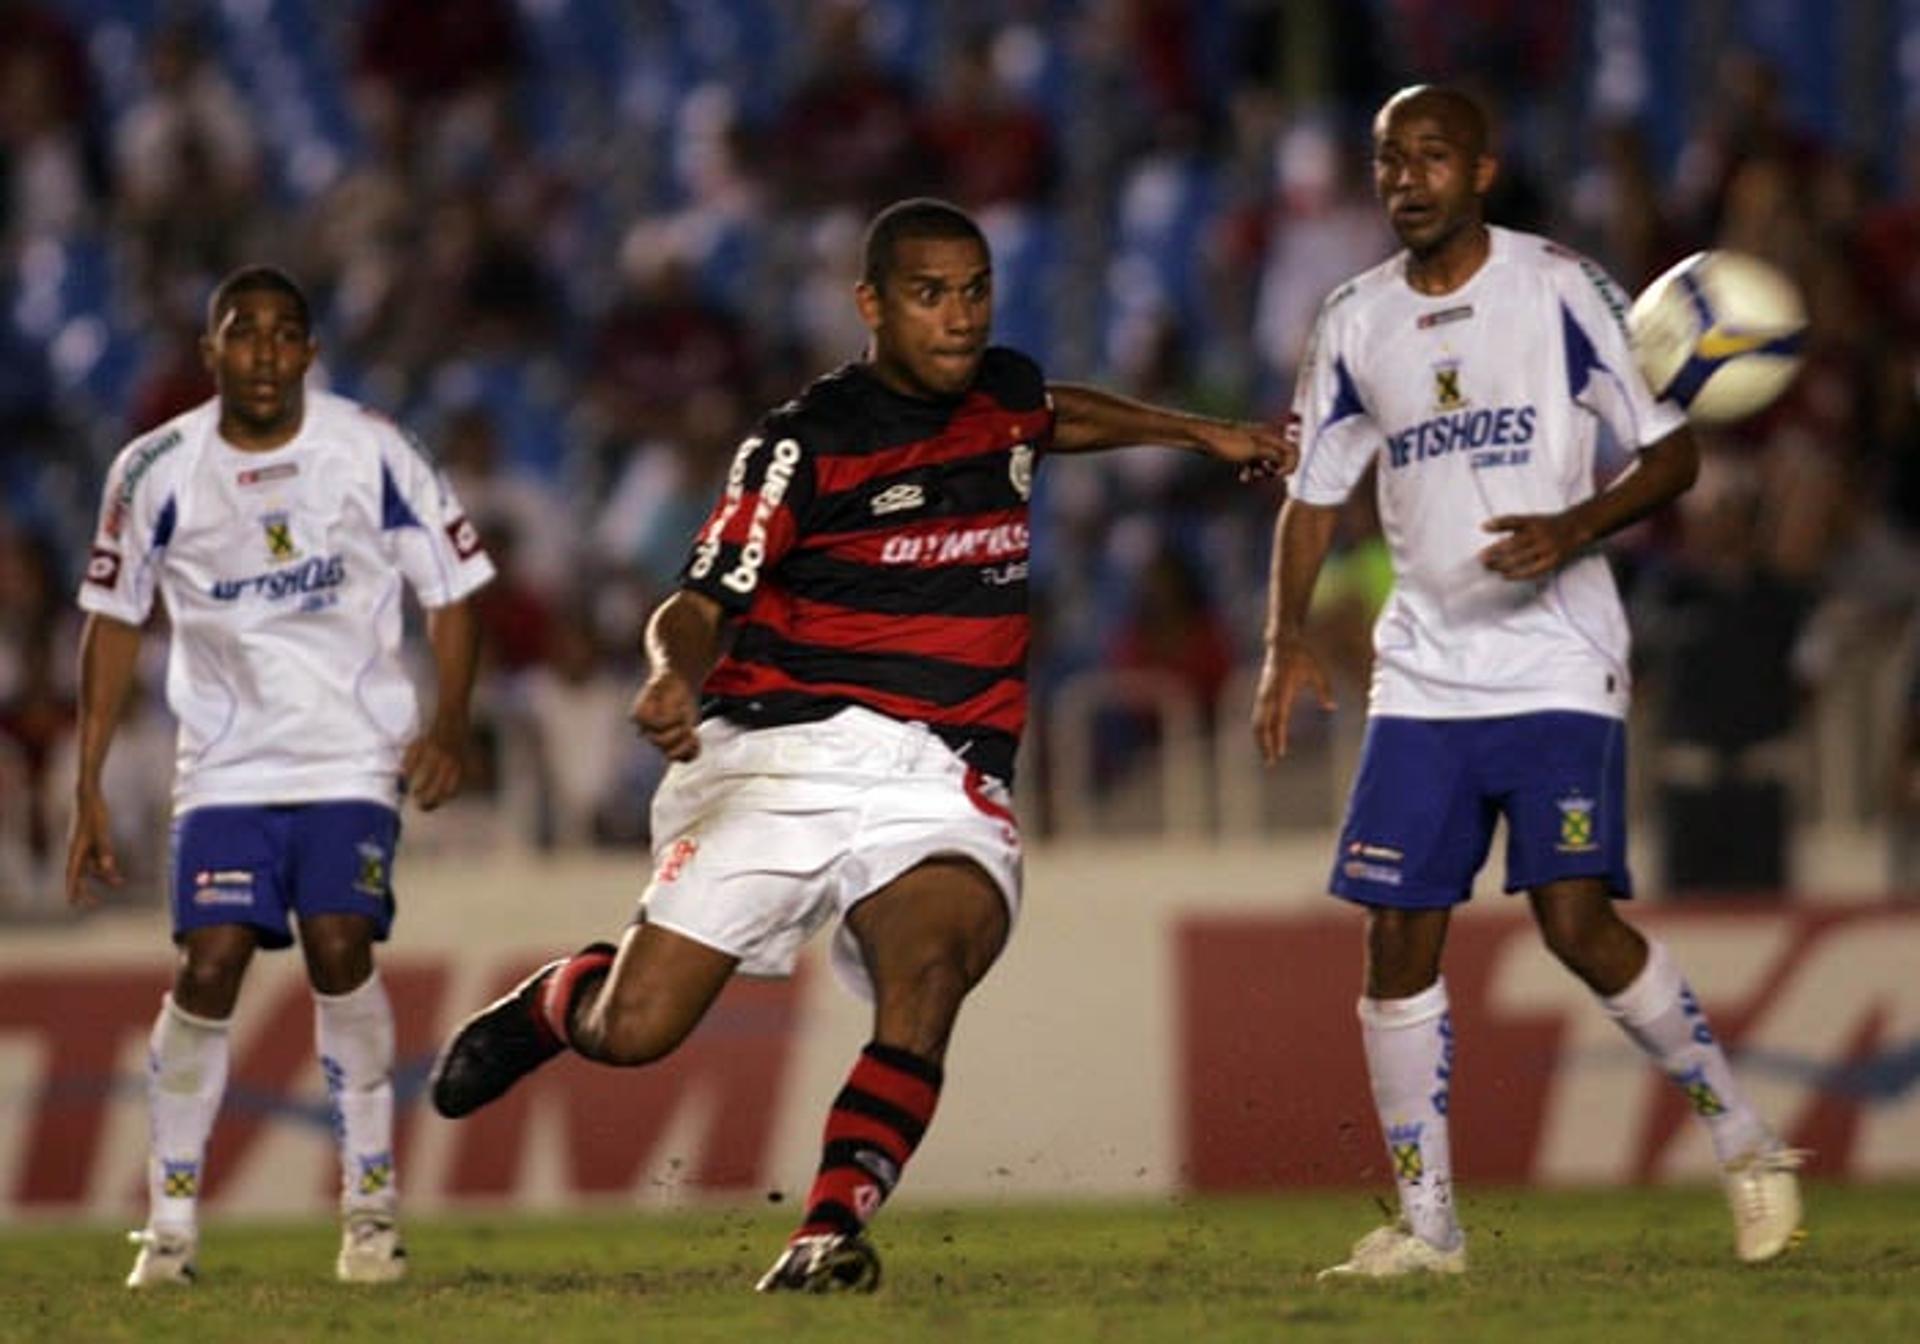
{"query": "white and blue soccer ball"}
(1719, 335)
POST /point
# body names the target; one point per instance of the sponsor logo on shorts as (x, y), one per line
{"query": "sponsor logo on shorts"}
(1369, 862)
(1576, 825)
(371, 879)
(223, 886)
(674, 862)
(103, 566)
(898, 499)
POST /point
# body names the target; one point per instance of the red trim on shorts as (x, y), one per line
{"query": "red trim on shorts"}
(975, 786)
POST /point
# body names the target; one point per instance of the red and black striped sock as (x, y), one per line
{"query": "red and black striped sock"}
(874, 1126)
(554, 1005)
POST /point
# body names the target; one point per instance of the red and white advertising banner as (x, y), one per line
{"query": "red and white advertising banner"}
(1131, 1045)
(1820, 1010)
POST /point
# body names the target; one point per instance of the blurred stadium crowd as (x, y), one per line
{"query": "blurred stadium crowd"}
(578, 244)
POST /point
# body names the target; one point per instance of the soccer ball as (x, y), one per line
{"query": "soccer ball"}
(1718, 335)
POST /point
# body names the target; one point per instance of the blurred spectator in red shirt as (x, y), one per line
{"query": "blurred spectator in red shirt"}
(992, 149)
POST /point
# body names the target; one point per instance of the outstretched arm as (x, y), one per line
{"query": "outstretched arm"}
(1536, 544)
(109, 651)
(1301, 539)
(1088, 420)
(434, 764)
(683, 643)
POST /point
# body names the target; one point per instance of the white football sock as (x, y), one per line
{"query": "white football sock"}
(354, 1035)
(1660, 1014)
(186, 1077)
(1409, 1045)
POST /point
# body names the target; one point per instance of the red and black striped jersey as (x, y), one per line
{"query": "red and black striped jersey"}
(873, 547)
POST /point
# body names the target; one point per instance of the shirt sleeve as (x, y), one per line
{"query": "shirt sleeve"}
(434, 543)
(1338, 438)
(137, 513)
(757, 520)
(1602, 376)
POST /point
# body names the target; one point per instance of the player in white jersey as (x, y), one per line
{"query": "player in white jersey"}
(278, 527)
(1475, 369)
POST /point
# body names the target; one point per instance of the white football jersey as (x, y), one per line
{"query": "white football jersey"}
(281, 574)
(1478, 403)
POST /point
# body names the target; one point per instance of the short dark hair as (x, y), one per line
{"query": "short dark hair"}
(250, 279)
(917, 217)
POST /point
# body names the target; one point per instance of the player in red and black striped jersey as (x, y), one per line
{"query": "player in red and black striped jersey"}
(872, 545)
(841, 681)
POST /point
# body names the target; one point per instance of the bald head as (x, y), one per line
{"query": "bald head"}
(1432, 170)
(1459, 116)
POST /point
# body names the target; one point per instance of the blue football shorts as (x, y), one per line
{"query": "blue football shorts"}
(1421, 817)
(262, 864)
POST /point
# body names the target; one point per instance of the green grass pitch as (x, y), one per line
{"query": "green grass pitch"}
(1614, 1266)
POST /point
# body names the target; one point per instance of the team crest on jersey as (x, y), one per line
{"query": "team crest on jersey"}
(1020, 469)
(1576, 825)
(1447, 395)
(279, 529)
(372, 878)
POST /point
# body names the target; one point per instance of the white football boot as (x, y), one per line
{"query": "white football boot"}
(166, 1257)
(370, 1249)
(1393, 1252)
(1763, 1190)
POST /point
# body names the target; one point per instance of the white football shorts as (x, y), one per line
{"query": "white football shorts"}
(771, 832)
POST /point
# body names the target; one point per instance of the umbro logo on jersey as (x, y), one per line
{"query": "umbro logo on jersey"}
(898, 499)
(1458, 313)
